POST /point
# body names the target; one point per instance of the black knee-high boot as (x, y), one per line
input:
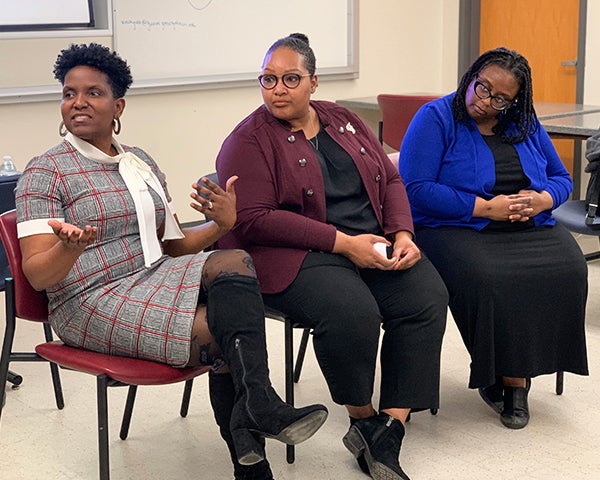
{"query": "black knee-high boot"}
(222, 398)
(235, 314)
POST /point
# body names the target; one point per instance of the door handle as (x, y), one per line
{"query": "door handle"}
(569, 63)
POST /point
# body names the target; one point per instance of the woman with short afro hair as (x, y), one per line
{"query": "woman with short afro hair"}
(99, 233)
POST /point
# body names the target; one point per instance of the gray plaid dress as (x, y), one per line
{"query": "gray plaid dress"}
(109, 302)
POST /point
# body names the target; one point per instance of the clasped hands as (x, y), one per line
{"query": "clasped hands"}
(518, 207)
(360, 249)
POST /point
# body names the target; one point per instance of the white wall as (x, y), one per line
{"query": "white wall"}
(405, 46)
(592, 59)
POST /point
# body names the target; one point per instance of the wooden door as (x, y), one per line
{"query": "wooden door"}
(546, 33)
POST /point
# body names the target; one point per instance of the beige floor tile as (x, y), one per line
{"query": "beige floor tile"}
(464, 441)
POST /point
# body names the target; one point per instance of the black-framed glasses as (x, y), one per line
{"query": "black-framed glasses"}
(483, 92)
(290, 80)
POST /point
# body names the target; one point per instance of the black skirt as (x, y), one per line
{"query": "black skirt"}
(518, 298)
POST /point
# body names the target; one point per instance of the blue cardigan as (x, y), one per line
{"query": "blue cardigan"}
(446, 165)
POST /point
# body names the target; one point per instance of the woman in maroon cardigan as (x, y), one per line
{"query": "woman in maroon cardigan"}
(316, 194)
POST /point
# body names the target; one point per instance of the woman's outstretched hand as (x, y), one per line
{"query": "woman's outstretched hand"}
(214, 202)
(72, 236)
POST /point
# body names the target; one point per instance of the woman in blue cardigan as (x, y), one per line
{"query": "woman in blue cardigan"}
(482, 178)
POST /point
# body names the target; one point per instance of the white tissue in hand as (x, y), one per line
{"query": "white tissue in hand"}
(381, 248)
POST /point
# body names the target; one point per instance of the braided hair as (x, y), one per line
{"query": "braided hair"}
(521, 114)
(99, 57)
(298, 42)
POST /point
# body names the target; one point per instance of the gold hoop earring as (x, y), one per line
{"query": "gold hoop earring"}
(117, 126)
(62, 130)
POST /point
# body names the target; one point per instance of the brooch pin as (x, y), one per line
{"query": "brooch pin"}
(350, 128)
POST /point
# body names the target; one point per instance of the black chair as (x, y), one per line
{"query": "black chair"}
(572, 214)
(292, 371)
(7, 202)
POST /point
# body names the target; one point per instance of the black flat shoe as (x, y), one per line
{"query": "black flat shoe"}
(516, 409)
(493, 395)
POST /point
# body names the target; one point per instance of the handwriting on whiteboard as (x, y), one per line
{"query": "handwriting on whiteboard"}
(144, 24)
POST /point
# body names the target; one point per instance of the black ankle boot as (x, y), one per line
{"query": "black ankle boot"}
(222, 397)
(362, 463)
(516, 409)
(235, 315)
(379, 438)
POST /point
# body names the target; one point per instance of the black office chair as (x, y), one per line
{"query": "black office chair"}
(292, 372)
(7, 202)
(572, 214)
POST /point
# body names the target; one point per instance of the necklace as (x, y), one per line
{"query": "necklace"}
(314, 144)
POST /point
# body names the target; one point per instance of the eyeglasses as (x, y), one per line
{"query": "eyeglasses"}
(497, 103)
(290, 80)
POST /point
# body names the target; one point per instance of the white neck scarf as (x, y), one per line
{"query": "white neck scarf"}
(138, 177)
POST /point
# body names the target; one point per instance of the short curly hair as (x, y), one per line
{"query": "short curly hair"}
(98, 57)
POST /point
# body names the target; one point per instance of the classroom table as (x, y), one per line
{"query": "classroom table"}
(579, 126)
(572, 121)
(545, 111)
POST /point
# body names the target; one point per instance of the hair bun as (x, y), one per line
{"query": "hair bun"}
(299, 36)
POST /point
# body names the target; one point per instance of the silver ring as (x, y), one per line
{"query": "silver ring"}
(210, 205)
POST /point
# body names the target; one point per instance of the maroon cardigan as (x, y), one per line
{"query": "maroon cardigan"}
(281, 209)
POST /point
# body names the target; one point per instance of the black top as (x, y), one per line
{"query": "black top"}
(510, 178)
(348, 206)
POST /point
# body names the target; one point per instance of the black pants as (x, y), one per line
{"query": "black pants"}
(346, 305)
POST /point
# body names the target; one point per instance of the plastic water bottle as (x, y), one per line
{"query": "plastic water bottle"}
(8, 167)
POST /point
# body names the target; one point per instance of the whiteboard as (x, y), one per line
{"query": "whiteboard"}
(28, 14)
(217, 42)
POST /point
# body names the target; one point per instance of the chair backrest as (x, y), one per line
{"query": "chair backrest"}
(396, 112)
(29, 303)
(7, 202)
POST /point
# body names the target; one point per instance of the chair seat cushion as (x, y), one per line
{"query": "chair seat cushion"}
(571, 215)
(131, 371)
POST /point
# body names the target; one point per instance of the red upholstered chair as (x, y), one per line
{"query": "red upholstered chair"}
(396, 113)
(24, 302)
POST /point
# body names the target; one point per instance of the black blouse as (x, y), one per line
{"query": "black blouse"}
(510, 179)
(348, 205)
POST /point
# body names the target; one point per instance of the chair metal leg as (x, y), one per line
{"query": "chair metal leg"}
(9, 335)
(103, 458)
(58, 393)
(3, 379)
(187, 394)
(131, 393)
(289, 376)
(14, 378)
(559, 382)
(301, 354)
